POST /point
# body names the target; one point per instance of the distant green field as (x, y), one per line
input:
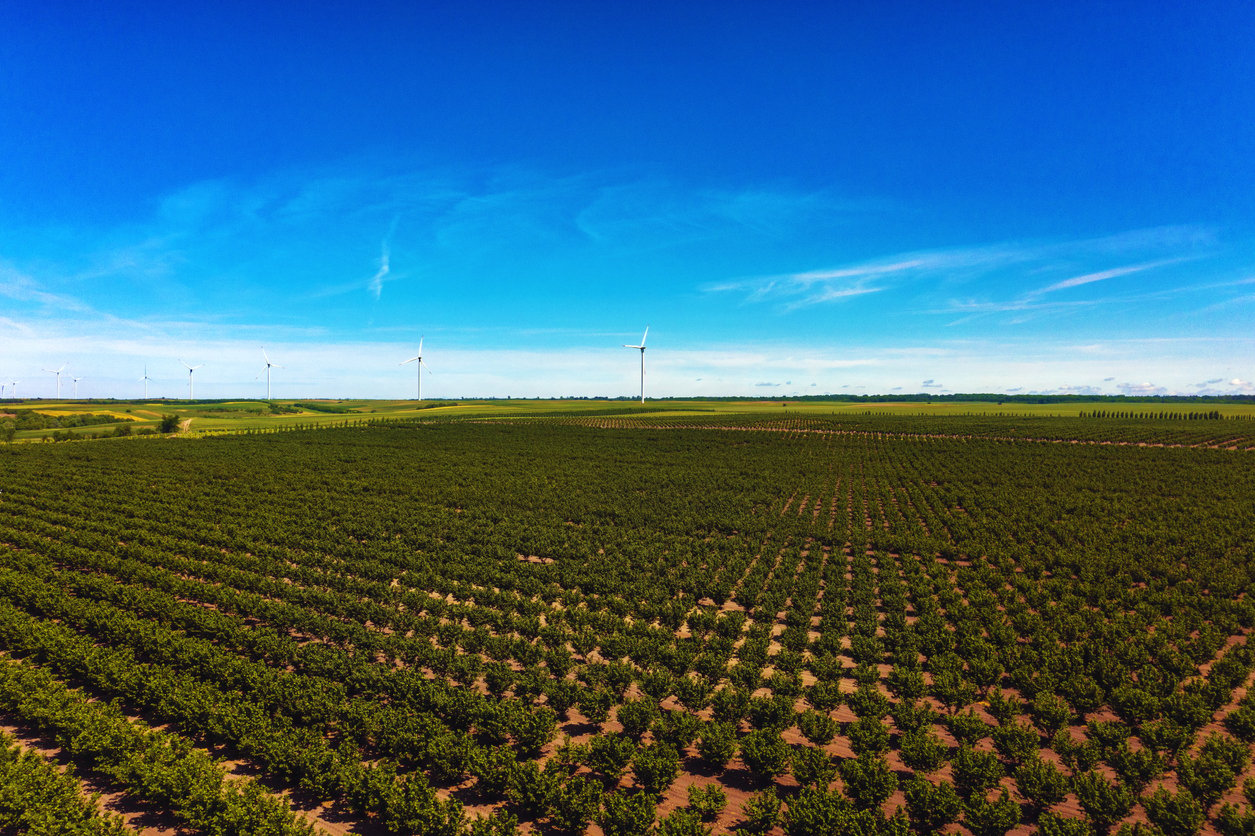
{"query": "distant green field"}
(197, 418)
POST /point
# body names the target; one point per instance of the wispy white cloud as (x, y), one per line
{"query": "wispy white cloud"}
(1101, 275)
(920, 275)
(21, 287)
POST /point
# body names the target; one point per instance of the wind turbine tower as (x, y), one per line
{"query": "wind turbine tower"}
(419, 365)
(145, 378)
(190, 392)
(269, 366)
(76, 380)
(642, 348)
(57, 372)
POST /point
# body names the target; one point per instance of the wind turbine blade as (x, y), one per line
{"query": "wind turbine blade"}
(642, 345)
(403, 362)
(425, 366)
(264, 354)
(420, 346)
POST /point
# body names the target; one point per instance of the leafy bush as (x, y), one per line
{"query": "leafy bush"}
(770, 713)
(729, 704)
(1041, 782)
(655, 767)
(923, 751)
(813, 767)
(627, 814)
(967, 727)
(1053, 824)
(575, 804)
(1050, 712)
(761, 812)
(1176, 814)
(636, 716)
(975, 771)
(682, 822)
(609, 754)
(1136, 767)
(707, 801)
(1207, 777)
(1104, 801)
(991, 818)
(1016, 742)
(867, 701)
(717, 744)
(677, 728)
(868, 736)
(818, 728)
(868, 780)
(931, 807)
(765, 753)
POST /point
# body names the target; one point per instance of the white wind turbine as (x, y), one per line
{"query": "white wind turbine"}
(642, 348)
(269, 366)
(76, 380)
(190, 369)
(57, 372)
(13, 389)
(145, 378)
(419, 365)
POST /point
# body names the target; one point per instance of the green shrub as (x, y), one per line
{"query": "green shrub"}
(682, 822)
(812, 766)
(868, 736)
(1050, 712)
(968, 728)
(818, 728)
(655, 767)
(1176, 814)
(1041, 782)
(761, 812)
(717, 744)
(1104, 801)
(707, 801)
(1052, 824)
(575, 805)
(627, 814)
(991, 818)
(923, 751)
(609, 754)
(868, 780)
(931, 807)
(976, 772)
(765, 753)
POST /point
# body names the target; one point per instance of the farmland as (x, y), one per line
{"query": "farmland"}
(695, 618)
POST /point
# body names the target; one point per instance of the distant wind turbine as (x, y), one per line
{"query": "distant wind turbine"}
(57, 372)
(145, 378)
(76, 380)
(642, 348)
(190, 392)
(269, 365)
(13, 389)
(419, 365)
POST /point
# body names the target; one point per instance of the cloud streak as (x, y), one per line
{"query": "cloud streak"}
(920, 275)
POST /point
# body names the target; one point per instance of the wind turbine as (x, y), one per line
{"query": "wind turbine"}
(145, 378)
(13, 389)
(419, 365)
(76, 380)
(57, 372)
(190, 369)
(269, 365)
(642, 348)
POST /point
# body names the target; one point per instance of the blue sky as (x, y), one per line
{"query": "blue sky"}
(797, 198)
